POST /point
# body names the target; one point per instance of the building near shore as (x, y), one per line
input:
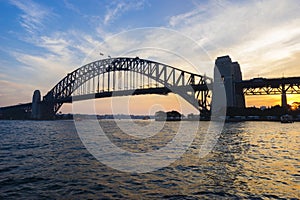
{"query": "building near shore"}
(168, 116)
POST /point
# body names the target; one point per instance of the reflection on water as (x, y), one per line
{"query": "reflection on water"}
(46, 159)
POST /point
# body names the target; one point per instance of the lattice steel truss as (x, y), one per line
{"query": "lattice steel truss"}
(272, 86)
(115, 74)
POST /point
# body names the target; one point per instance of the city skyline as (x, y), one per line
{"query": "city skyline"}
(43, 41)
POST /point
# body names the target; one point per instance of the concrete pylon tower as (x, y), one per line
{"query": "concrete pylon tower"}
(36, 100)
(231, 74)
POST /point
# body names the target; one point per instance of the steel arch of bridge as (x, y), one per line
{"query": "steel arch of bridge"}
(165, 76)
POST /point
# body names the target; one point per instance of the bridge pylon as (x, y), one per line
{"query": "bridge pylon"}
(230, 75)
(42, 110)
(36, 105)
(47, 107)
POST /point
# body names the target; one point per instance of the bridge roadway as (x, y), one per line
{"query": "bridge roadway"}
(106, 94)
(24, 106)
(256, 86)
(143, 91)
(273, 86)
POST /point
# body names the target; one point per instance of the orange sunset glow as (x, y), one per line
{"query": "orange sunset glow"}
(263, 40)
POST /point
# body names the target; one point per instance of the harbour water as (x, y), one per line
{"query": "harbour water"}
(251, 160)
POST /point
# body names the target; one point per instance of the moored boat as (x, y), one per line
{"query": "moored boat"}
(286, 119)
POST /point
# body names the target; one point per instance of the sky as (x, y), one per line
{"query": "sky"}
(42, 41)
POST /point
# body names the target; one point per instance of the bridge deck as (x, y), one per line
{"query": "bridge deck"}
(273, 82)
(256, 86)
(275, 86)
(144, 91)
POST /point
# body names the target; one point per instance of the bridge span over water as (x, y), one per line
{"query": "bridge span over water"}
(123, 76)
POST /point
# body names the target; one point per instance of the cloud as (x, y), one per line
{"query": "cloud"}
(71, 6)
(10, 92)
(264, 39)
(254, 33)
(59, 53)
(33, 15)
(156, 44)
(117, 8)
(184, 17)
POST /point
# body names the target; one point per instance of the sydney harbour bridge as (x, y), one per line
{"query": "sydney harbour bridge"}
(124, 76)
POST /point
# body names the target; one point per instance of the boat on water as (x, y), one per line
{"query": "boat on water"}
(146, 118)
(286, 119)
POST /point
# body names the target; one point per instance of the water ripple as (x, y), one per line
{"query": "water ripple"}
(252, 160)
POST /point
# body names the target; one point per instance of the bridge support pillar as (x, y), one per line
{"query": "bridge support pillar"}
(47, 107)
(230, 74)
(47, 112)
(283, 97)
(42, 109)
(36, 105)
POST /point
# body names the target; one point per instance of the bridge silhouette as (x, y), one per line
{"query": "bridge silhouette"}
(124, 76)
(129, 76)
